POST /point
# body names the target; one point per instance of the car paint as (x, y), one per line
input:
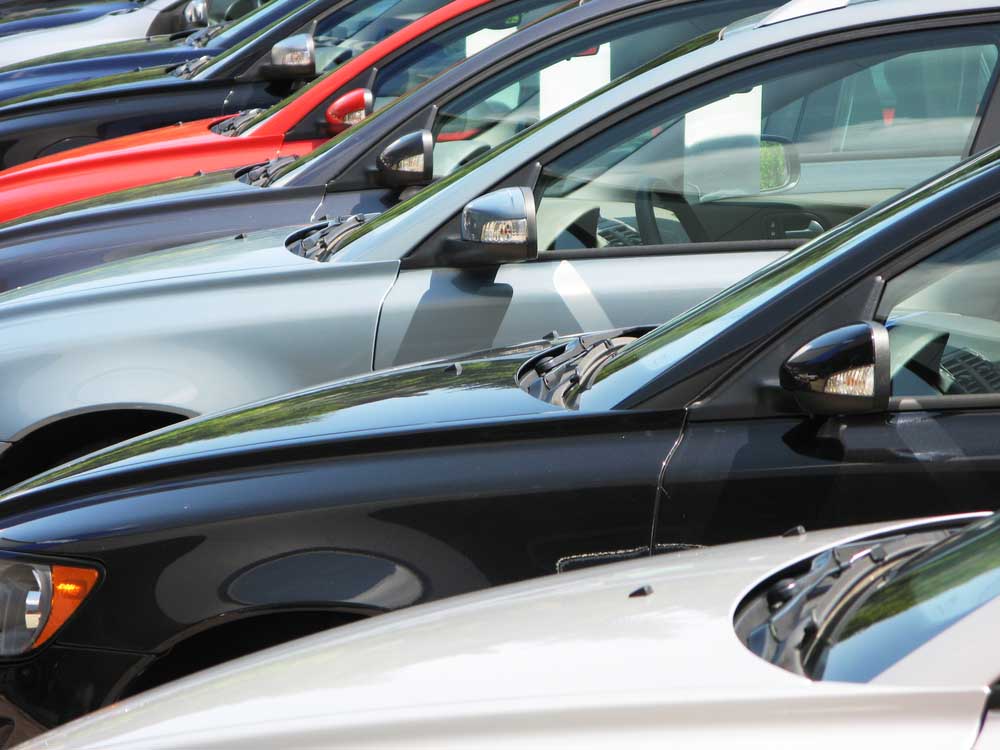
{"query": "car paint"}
(14, 20)
(182, 150)
(118, 26)
(59, 70)
(404, 478)
(639, 654)
(409, 317)
(96, 109)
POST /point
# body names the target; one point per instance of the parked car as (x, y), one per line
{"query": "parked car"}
(258, 72)
(295, 126)
(766, 408)
(207, 326)
(141, 19)
(165, 51)
(16, 17)
(566, 662)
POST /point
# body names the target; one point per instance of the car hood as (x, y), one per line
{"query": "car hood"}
(94, 63)
(118, 84)
(576, 660)
(50, 15)
(429, 397)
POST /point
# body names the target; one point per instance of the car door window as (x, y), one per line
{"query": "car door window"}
(780, 152)
(356, 26)
(943, 317)
(426, 60)
(552, 79)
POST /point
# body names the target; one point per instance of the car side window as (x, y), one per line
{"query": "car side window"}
(943, 316)
(552, 79)
(781, 152)
(426, 60)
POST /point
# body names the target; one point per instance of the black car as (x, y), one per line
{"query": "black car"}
(163, 51)
(343, 177)
(854, 380)
(252, 73)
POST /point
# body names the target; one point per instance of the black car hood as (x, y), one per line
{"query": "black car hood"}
(15, 20)
(95, 63)
(421, 399)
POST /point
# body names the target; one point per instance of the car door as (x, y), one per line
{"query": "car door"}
(644, 218)
(745, 469)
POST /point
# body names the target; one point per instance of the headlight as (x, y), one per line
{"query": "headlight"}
(35, 601)
(196, 13)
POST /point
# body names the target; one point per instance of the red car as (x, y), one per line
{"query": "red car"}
(296, 126)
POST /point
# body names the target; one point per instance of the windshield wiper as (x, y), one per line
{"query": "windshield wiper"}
(261, 175)
(234, 125)
(556, 376)
(799, 608)
(188, 69)
(202, 37)
(321, 243)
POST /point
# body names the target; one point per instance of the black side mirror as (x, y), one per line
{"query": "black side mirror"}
(845, 371)
(498, 227)
(293, 58)
(408, 161)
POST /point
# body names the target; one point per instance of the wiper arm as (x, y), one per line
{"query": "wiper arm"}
(260, 175)
(321, 243)
(188, 69)
(202, 37)
(234, 125)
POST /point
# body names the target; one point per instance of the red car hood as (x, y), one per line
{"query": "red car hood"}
(131, 161)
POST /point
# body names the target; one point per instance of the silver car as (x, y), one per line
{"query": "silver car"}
(884, 637)
(625, 209)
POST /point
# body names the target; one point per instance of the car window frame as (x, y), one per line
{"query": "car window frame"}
(423, 255)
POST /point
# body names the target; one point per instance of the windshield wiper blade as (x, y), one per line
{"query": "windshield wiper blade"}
(234, 125)
(189, 68)
(320, 244)
(202, 37)
(260, 175)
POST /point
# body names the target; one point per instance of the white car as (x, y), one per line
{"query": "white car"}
(712, 648)
(143, 19)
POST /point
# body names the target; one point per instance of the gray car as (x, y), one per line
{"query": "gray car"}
(623, 210)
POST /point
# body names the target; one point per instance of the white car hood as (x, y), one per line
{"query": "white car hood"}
(107, 29)
(565, 661)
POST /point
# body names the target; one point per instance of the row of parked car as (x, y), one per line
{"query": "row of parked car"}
(668, 317)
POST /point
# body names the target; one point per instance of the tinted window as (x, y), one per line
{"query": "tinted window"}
(943, 317)
(782, 152)
(548, 81)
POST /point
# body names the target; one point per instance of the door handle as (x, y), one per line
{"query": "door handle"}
(815, 229)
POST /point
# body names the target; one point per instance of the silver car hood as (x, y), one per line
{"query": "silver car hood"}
(216, 260)
(564, 661)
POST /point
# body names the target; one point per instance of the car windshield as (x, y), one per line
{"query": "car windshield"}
(262, 17)
(651, 356)
(911, 604)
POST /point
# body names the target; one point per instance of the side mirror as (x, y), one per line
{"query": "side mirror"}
(292, 58)
(845, 371)
(349, 109)
(196, 13)
(497, 228)
(408, 161)
(779, 163)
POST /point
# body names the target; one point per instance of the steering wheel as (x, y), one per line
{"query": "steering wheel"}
(670, 199)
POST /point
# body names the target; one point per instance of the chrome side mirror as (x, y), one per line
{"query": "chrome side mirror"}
(292, 58)
(498, 227)
(845, 371)
(408, 161)
(196, 13)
